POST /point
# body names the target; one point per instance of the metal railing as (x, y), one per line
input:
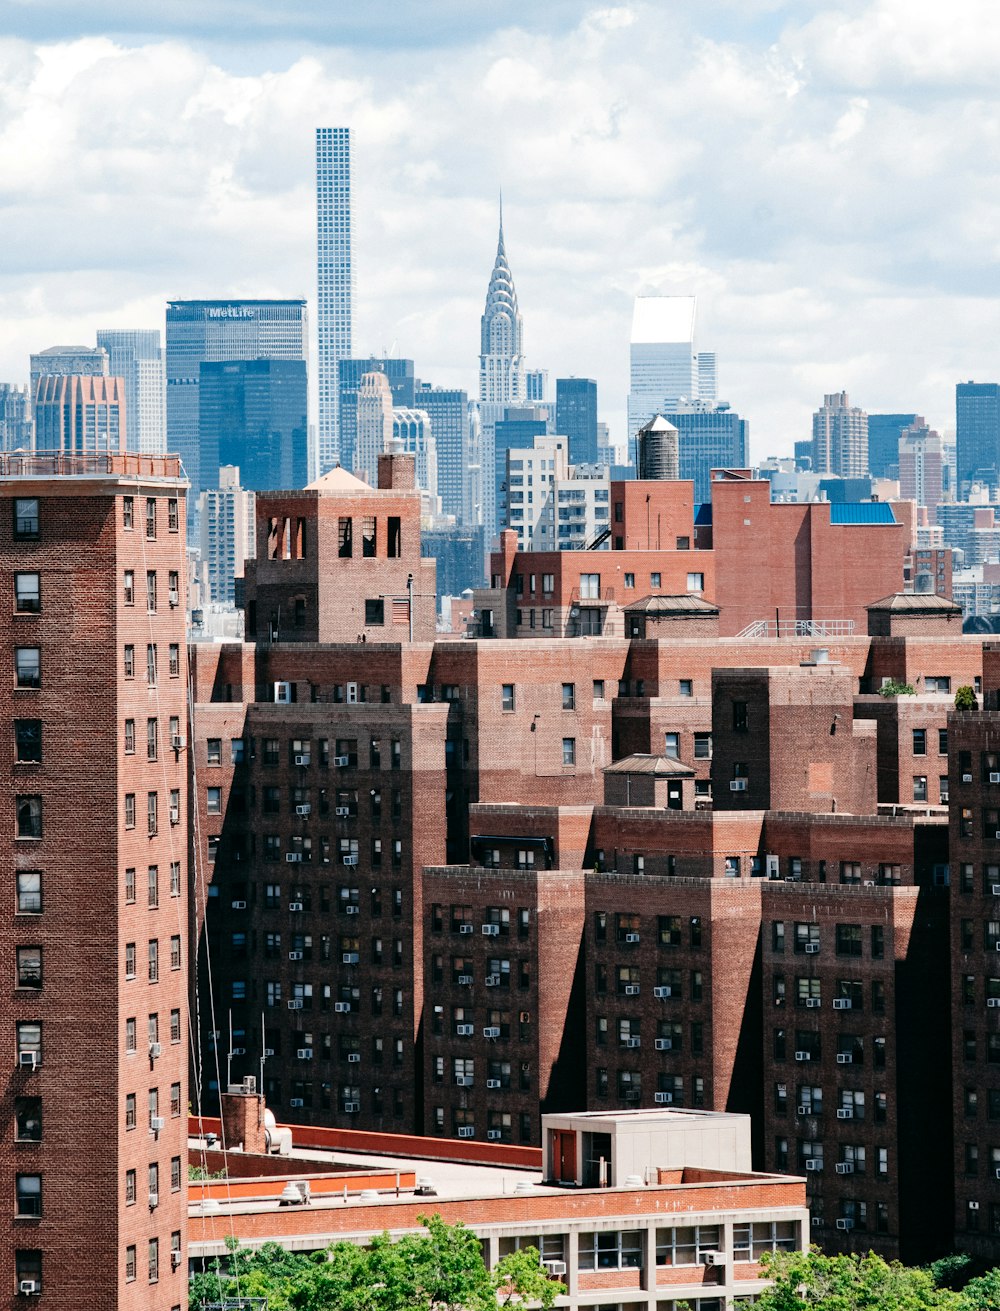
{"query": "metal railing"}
(807, 628)
(57, 464)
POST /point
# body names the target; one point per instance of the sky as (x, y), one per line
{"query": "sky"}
(822, 176)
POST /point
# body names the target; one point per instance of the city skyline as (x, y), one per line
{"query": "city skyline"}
(799, 295)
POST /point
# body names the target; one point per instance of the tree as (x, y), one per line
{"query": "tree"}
(895, 688)
(965, 698)
(521, 1277)
(805, 1280)
(983, 1294)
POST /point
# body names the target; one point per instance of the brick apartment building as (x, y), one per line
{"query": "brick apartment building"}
(95, 931)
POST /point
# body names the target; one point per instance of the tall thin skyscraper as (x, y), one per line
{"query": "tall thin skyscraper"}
(501, 369)
(137, 356)
(15, 418)
(576, 417)
(335, 280)
(977, 433)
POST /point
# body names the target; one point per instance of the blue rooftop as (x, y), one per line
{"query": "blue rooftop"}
(862, 512)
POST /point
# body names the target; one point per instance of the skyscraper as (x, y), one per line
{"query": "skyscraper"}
(402, 384)
(501, 372)
(413, 431)
(449, 414)
(921, 463)
(68, 361)
(252, 414)
(977, 433)
(576, 417)
(712, 436)
(840, 437)
(227, 523)
(374, 425)
(884, 431)
(664, 367)
(536, 385)
(335, 280)
(15, 418)
(137, 356)
(76, 415)
(200, 331)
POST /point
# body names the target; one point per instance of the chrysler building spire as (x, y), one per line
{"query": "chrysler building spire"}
(501, 359)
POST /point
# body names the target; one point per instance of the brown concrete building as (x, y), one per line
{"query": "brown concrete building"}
(94, 938)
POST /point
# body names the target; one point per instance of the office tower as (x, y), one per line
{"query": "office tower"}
(840, 437)
(576, 417)
(663, 362)
(68, 361)
(473, 509)
(883, 442)
(977, 434)
(15, 418)
(501, 371)
(252, 413)
(74, 414)
(536, 384)
(921, 463)
(227, 524)
(517, 427)
(707, 380)
(374, 425)
(413, 433)
(95, 921)
(136, 356)
(334, 280)
(712, 436)
(208, 331)
(448, 410)
(402, 384)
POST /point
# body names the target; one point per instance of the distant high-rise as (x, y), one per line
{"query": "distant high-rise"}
(77, 415)
(977, 434)
(252, 414)
(840, 437)
(449, 414)
(137, 356)
(921, 464)
(15, 418)
(402, 384)
(227, 525)
(576, 417)
(374, 425)
(413, 429)
(68, 361)
(712, 436)
(205, 331)
(501, 357)
(335, 281)
(665, 368)
(536, 384)
(883, 442)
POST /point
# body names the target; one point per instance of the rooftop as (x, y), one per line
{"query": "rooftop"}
(661, 766)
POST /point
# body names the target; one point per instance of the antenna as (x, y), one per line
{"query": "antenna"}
(263, 1058)
(229, 1052)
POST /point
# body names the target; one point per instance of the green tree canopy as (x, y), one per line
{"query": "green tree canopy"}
(804, 1281)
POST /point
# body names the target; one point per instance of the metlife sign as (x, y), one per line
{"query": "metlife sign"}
(230, 312)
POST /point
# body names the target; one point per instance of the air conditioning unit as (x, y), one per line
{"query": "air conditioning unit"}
(239, 905)
(465, 928)
(492, 1083)
(303, 1053)
(350, 958)
(268, 1051)
(349, 860)
(293, 857)
(491, 1031)
(157, 1124)
(631, 937)
(633, 1042)
(28, 1060)
(663, 1099)
(238, 1051)
(973, 1206)
(811, 948)
(465, 1030)
(713, 1258)
(463, 1081)
(295, 1004)
(803, 1056)
(173, 596)
(631, 990)
(995, 778)
(844, 1167)
(772, 867)
(342, 761)
(813, 1163)
(296, 905)
(662, 993)
(465, 980)
(175, 1258)
(663, 1044)
(154, 1051)
(997, 835)
(813, 1002)
(302, 760)
(846, 1058)
(175, 814)
(816, 1222)
(342, 1007)
(465, 1130)
(869, 883)
(993, 1001)
(803, 1110)
(352, 693)
(845, 1224)
(491, 930)
(303, 810)
(493, 1135)
(995, 889)
(845, 1113)
(295, 955)
(352, 1108)
(493, 980)
(554, 1267)
(177, 743)
(966, 778)
(296, 1102)
(342, 812)
(842, 1003)
(154, 1201)
(29, 1287)
(738, 785)
(283, 693)
(352, 910)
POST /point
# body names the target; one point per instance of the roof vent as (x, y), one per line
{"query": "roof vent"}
(820, 655)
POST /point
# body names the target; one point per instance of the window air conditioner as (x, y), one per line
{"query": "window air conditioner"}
(633, 1042)
(966, 778)
(631, 937)
(842, 1003)
(342, 812)
(154, 1050)
(296, 905)
(354, 1058)
(463, 1081)
(295, 955)
(295, 1004)
(738, 785)
(845, 1224)
(493, 1135)
(28, 1060)
(844, 1167)
(465, 1130)
(803, 1056)
(845, 1113)
(493, 980)
(554, 1267)
(293, 857)
(813, 1163)
(803, 1110)
(351, 910)
(350, 958)
(157, 1124)
(812, 948)
(342, 1007)
(303, 810)
(845, 1058)
(349, 860)
(491, 930)
(631, 990)
(663, 1044)
(491, 1031)
(465, 928)
(154, 1200)
(29, 1287)
(465, 980)
(713, 1258)
(816, 1222)
(238, 1051)
(993, 1001)
(283, 693)
(662, 1098)
(342, 761)
(175, 1258)
(492, 1083)
(239, 905)
(304, 1053)
(296, 1102)
(995, 778)
(352, 1108)
(465, 1030)
(662, 993)
(812, 1002)
(177, 743)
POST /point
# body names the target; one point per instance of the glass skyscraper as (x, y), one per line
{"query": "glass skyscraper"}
(334, 282)
(711, 436)
(977, 433)
(252, 413)
(576, 417)
(137, 356)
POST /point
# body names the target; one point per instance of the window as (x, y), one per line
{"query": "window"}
(703, 746)
(151, 591)
(630, 580)
(696, 582)
(175, 952)
(848, 939)
(28, 1119)
(590, 587)
(569, 750)
(29, 817)
(920, 787)
(27, 666)
(213, 801)
(29, 967)
(611, 1250)
(130, 1250)
(151, 807)
(942, 741)
(920, 742)
(27, 593)
(151, 518)
(129, 661)
(569, 696)
(153, 957)
(151, 664)
(507, 696)
(172, 522)
(154, 1247)
(174, 653)
(28, 741)
(29, 892)
(29, 1194)
(685, 687)
(26, 519)
(128, 511)
(741, 721)
(375, 610)
(152, 739)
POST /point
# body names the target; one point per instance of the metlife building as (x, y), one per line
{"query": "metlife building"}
(207, 331)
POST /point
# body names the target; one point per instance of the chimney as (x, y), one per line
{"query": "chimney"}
(243, 1117)
(397, 472)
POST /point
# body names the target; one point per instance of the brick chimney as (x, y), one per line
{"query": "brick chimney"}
(397, 472)
(243, 1120)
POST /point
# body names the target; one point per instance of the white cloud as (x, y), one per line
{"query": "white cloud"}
(824, 187)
